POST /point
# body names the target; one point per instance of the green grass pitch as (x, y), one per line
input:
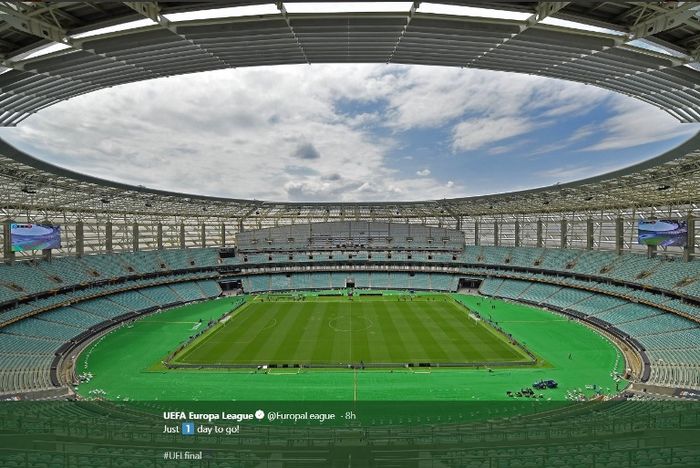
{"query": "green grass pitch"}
(339, 331)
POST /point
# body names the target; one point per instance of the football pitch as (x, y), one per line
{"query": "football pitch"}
(293, 331)
(127, 363)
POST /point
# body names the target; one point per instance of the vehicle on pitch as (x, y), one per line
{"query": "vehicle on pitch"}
(542, 384)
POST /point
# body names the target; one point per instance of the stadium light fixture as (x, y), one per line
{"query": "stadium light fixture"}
(347, 7)
(457, 10)
(229, 12)
(142, 23)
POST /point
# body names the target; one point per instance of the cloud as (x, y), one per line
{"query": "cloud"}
(476, 133)
(427, 97)
(635, 123)
(485, 107)
(572, 172)
(275, 133)
(333, 177)
(560, 174)
(306, 151)
(307, 133)
(584, 132)
(581, 133)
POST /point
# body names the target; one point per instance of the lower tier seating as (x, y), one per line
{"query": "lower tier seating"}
(27, 347)
(670, 341)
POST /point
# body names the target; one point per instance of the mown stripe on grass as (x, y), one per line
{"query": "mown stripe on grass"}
(396, 347)
(435, 323)
(310, 336)
(362, 332)
(340, 332)
(423, 322)
(406, 333)
(264, 348)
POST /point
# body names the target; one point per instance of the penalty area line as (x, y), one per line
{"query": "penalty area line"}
(271, 372)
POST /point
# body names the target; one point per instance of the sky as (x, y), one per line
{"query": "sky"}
(355, 132)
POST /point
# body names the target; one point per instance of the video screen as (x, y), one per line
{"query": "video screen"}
(34, 237)
(663, 232)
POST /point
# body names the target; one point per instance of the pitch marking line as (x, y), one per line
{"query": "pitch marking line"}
(369, 322)
(167, 321)
(271, 324)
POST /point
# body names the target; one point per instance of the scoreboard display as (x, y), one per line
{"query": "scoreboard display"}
(29, 236)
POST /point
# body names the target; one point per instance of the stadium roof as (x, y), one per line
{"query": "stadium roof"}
(53, 51)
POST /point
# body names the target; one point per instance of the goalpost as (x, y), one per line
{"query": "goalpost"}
(283, 370)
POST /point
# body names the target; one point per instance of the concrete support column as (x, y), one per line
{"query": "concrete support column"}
(8, 254)
(690, 248)
(108, 237)
(651, 251)
(159, 236)
(223, 235)
(619, 235)
(496, 237)
(589, 234)
(564, 241)
(539, 233)
(476, 232)
(182, 235)
(79, 239)
(517, 233)
(204, 235)
(135, 237)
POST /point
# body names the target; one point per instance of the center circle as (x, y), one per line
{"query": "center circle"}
(341, 324)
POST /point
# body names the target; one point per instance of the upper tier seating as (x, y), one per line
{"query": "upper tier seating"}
(672, 275)
(35, 277)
